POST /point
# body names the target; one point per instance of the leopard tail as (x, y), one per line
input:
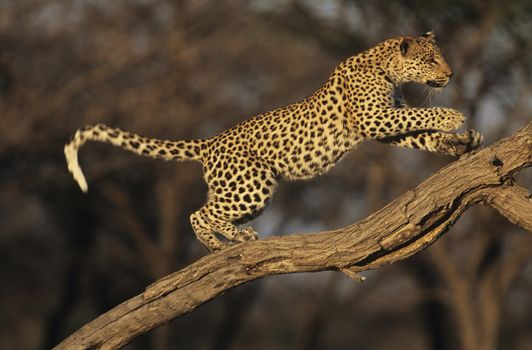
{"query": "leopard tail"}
(144, 146)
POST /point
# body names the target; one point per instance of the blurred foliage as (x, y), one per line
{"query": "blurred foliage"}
(187, 69)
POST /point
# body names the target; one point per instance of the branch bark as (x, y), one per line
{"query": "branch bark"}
(402, 228)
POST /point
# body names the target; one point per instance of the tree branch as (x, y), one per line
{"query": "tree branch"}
(512, 202)
(399, 230)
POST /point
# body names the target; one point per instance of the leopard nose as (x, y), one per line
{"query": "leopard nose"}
(449, 74)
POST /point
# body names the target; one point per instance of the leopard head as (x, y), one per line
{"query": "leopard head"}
(419, 60)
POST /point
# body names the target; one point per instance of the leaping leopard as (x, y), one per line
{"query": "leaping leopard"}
(361, 100)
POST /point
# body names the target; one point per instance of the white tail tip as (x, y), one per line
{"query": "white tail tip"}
(71, 154)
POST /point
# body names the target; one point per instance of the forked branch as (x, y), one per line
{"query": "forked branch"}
(399, 230)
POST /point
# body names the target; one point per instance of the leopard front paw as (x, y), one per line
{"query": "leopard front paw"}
(464, 143)
(475, 140)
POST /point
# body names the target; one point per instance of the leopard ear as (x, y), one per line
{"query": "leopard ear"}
(406, 46)
(430, 36)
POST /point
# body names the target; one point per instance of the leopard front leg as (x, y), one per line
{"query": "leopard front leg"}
(397, 121)
(439, 142)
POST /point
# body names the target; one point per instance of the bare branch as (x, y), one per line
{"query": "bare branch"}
(513, 202)
(397, 231)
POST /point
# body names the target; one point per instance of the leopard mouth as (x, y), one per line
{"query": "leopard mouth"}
(437, 83)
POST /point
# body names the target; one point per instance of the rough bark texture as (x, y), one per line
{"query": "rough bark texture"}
(399, 230)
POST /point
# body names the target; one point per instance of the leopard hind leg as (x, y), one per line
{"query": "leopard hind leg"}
(204, 232)
(207, 224)
(234, 200)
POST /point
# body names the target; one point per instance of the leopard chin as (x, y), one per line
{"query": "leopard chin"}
(437, 83)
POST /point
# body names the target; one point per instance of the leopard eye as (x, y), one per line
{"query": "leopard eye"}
(432, 62)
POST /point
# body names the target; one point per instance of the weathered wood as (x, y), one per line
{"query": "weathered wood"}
(399, 230)
(513, 202)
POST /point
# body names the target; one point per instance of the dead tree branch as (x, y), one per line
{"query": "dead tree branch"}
(399, 230)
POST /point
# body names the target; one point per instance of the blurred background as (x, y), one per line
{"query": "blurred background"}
(190, 69)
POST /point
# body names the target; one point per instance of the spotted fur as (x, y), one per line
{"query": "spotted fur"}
(360, 101)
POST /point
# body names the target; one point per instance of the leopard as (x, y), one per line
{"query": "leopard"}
(361, 100)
